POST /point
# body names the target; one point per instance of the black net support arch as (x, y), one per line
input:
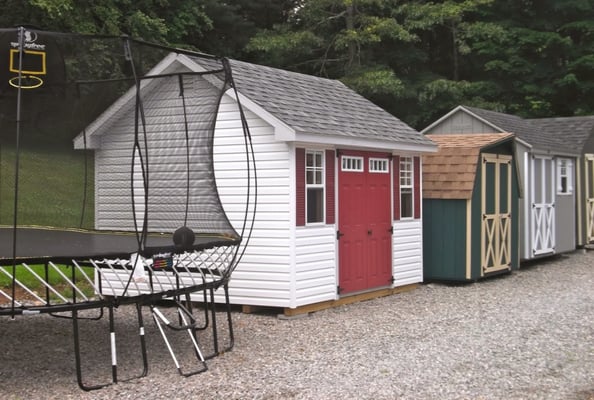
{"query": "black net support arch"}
(107, 174)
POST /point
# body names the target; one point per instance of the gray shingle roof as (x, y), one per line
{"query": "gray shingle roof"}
(523, 129)
(573, 130)
(313, 105)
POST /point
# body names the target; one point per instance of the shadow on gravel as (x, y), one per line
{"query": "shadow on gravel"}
(543, 261)
(585, 395)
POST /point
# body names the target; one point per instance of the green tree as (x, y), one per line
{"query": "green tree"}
(415, 58)
(161, 21)
(353, 40)
(451, 22)
(235, 22)
(541, 60)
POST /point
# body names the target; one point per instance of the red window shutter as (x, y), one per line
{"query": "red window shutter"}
(330, 192)
(396, 185)
(417, 186)
(300, 186)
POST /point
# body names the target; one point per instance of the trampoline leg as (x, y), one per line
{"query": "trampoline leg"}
(192, 328)
(161, 320)
(188, 304)
(229, 319)
(77, 357)
(206, 318)
(114, 360)
(114, 366)
(215, 333)
(142, 340)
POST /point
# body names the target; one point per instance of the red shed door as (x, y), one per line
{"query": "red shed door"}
(365, 221)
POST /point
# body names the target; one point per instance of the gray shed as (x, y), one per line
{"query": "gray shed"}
(547, 167)
(578, 132)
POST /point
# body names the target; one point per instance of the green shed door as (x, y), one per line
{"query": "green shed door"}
(496, 228)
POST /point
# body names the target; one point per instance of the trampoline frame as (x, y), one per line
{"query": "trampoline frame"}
(205, 280)
(207, 268)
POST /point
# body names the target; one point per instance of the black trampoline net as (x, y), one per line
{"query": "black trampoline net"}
(108, 133)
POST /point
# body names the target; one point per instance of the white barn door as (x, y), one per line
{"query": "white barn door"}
(542, 190)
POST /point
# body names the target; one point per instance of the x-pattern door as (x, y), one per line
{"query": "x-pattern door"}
(496, 204)
(542, 190)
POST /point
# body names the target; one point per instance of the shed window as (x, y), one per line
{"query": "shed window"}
(378, 165)
(406, 187)
(314, 186)
(564, 176)
(351, 164)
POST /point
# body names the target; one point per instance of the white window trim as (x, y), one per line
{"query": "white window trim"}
(321, 185)
(568, 174)
(384, 162)
(409, 160)
(358, 168)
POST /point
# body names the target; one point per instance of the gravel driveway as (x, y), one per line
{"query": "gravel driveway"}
(527, 335)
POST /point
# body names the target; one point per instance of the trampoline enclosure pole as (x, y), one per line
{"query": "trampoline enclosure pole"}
(21, 31)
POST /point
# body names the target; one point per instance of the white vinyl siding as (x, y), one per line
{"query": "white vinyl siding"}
(263, 277)
(282, 266)
(168, 148)
(315, 265)
(407, 252)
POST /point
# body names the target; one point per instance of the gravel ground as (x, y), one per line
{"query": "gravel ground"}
(526, 335)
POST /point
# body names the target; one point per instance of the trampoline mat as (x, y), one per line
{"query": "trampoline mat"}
(42, 243)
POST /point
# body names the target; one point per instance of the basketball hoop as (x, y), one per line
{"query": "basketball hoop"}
(28, 60)
(26, 82)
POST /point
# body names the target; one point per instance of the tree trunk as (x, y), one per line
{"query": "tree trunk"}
(350, 25)
(455, 51)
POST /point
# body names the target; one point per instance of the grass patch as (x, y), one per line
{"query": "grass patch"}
(51, 276)
(51, 192)
(51, 187)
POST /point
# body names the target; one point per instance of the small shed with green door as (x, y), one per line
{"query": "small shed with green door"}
(471, 194)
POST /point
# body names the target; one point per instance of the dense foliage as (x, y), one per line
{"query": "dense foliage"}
(415, 58)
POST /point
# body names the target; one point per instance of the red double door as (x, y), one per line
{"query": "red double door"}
(365, 221)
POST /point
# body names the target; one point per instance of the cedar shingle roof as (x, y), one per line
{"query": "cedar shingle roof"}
(451, 172)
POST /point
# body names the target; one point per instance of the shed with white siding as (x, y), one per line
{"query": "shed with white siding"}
(339, 188)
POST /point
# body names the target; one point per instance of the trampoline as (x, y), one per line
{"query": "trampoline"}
(108, 191)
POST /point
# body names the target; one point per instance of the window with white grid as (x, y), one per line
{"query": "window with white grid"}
(564, 176)
(406, 187)
(351, 164)
(314, 186)
(378, 165)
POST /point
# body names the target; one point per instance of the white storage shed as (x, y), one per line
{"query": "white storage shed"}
(339, 185)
